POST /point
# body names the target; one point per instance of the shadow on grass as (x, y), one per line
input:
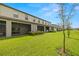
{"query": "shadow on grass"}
(74, 38)
(18, 36)
(5, 38)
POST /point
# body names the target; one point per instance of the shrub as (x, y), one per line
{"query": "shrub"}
(36, 33)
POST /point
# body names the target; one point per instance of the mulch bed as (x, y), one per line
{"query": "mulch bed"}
(60, 52)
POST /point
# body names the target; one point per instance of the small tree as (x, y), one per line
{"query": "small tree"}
(65, 18)
(61, 15)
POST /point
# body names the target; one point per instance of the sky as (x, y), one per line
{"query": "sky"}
(47, 11)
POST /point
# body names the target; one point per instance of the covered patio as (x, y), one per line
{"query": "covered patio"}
(19, 29)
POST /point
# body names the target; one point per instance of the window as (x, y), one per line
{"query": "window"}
(26, 17)
(15, 15)
(34, 20)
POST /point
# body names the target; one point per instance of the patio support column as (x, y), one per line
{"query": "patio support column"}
(44, 28)
(55, 29)
(8, 28)
(33, 28)
(50, 29)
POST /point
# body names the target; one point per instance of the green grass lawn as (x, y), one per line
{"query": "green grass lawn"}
(39, 45)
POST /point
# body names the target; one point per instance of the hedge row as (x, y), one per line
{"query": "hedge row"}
(36, 33)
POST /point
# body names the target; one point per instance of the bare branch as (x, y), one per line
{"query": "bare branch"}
(71, 12)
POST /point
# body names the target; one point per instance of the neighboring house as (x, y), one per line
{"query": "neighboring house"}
(56, 27)
(16, 22)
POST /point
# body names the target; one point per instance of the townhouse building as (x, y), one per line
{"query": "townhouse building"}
(16, 22)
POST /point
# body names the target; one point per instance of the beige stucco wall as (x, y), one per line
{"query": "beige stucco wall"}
(8, 12)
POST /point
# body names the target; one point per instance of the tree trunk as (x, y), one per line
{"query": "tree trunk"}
(63, 41)
(68, 32)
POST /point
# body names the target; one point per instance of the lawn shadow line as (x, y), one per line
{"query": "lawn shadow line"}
(12, 37)
(73, 38)
(17, 36)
